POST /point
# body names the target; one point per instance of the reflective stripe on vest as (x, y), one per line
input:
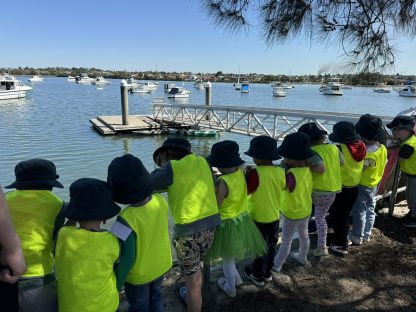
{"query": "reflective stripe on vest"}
(33, 213)
(84, 270)
(266, 201)
(371, 176)
(298, 204)
(409, 165)
(351, 170)
(330, 180)
(236, 202)
(191, 196)
(153, 253)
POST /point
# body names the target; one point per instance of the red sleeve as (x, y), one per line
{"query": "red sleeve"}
(290, 181)
(252, 181)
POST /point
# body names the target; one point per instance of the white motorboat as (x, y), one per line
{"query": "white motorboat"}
(84, 79)
(245, 86)
(333, 87)
(100, 80)
(140, 86)
(409, 91)
(70, 79)
(285, 86)
(279, 92)
(36, 78)
(178, 92)
(168, 86)
(11, 88)
(382, 89)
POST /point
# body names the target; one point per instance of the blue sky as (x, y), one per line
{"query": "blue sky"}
(145, 35)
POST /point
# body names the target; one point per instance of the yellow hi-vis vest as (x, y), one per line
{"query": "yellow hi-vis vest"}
(33, 213)
(191, 196)
(153, 254)
(371, 176)
(266, 201)
(84, 270)
(330, 180)
(351, 170)
(236, 202)
(409, 165)
(297, 205)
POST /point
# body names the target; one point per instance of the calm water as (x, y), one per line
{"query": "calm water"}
(53, 122)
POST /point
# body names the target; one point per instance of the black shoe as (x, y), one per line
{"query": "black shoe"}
(256, 280)
(410, 223)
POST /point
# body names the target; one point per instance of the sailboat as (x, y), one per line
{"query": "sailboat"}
(199, 84)
(238, 85)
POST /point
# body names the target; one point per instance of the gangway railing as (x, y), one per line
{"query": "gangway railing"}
(273, 122)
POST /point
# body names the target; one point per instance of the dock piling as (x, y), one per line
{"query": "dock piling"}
(207, 97)
(124, 102)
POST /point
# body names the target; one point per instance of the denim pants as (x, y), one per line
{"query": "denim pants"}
(144, 298)
(362, 212)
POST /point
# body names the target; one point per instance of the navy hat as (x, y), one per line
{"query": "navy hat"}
(129, 179)
(225, 155)
(312, 131)
(264, 148)
(173, 143)
(296, 146)
(344, 132)
(35, 174)
(370, 127)
(90, 200)
(406, 122)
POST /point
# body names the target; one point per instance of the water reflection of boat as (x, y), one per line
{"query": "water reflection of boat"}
(12, 88)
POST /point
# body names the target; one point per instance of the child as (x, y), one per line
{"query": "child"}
(147, 216)
(191, 197)
(325, 184)
(297, 206)
(402, 128)
(370, 129)
(85, 256)
(265, 186)
(353, 151)
(237, 237)
(35, 212)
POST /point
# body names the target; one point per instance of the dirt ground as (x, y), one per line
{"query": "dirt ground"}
(379, 275)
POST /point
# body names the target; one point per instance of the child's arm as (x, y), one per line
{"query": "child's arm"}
(221, 192)
(316, 164)
(127, 254)
(162, 178)
(406, 151)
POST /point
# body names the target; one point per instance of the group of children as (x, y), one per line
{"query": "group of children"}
(75, 265)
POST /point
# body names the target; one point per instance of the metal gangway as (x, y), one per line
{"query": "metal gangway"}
(274, 122)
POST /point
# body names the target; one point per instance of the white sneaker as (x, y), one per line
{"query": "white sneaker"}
(355, 241)
(304, 262)
(222, 283)
(321, 251)
(276, 269)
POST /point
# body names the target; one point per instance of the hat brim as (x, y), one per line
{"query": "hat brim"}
(34, 184)
(338, 139)
(128, 199)
(77, 213)
(162, 148)
(264, 156)
(235, 162)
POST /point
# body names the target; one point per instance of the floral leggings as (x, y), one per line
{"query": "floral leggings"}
(322, 204)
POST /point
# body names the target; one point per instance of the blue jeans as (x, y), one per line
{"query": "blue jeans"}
(147, 297)
(362, 212)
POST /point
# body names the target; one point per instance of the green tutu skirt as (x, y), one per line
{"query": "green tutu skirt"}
(238, 239)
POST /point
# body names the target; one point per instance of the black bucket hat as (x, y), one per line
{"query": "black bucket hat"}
(90, 200)
(406, 122)
(225, 155)
(344, 132)
(296, 146)
(312, 131)
(35, 174)
(263, 148)
(370, 127)
(129, 179)
(173, 143)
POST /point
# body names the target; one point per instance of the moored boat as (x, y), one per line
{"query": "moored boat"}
(178, 92)
(279, 92)
(12, 88)
(245, 86)
(36, 78)
(409, 91)
(333, 87)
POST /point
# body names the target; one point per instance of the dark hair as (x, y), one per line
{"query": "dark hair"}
(172, 154)
(318, 139)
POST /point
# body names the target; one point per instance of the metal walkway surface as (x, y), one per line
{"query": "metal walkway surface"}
(249, 121)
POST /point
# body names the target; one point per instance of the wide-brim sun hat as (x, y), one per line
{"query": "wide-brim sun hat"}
(370, 127)
(344, 132)
(90, 200)
(296, 146)
(225, 154)
(406, 122)
(35, 174)
(180, 143)
(312, 131)
(263, 148)
(129, 180)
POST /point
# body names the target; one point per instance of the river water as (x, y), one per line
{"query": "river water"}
(53, 122)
